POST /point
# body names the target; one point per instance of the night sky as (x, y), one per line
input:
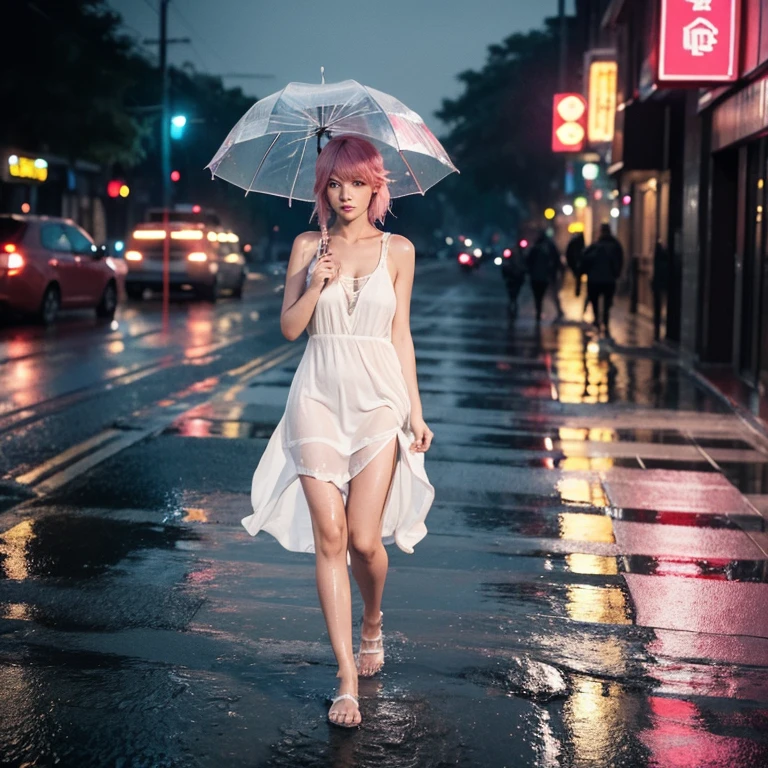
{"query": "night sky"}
(412, 49)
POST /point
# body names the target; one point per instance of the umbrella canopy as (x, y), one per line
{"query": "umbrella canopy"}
(273, 147)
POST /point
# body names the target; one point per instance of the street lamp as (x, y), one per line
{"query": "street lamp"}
(567, 209)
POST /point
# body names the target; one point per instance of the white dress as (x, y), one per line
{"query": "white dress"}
(347, 401)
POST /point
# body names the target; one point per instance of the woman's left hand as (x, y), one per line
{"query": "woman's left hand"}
(423, 436)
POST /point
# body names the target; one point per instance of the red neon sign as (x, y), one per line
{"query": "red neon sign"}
(699, 41)
(569, 123)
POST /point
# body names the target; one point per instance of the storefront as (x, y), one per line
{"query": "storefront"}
(43, 184)
(734, 310)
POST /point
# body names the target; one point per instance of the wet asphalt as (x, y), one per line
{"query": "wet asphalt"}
(592, 592)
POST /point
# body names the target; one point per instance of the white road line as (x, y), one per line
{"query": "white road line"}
(82, 457)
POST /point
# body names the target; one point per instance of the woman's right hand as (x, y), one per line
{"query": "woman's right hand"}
(325, 269)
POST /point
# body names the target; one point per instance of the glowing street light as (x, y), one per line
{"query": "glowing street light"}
(567, 209)
(550, 214)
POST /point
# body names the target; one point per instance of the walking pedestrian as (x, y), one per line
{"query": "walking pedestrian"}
(602, 263)
(513, 272)
(659, 286)
(343, 473)
(573, 253)
(545, 268)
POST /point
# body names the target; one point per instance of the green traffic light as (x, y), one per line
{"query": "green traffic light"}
(178, 123)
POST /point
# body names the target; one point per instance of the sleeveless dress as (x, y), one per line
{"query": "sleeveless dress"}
(347, 401)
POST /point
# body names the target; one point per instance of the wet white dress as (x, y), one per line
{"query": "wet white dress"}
(348, 400)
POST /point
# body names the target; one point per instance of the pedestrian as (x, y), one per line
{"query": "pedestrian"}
(659, 286)
(573, 253)
(545, 268)
(513, 272)
(343, 473)
(602, 263)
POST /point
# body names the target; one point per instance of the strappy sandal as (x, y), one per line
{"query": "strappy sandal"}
(379, 648)
(333, 703)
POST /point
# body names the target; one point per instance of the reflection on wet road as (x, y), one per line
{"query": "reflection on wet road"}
(593, 590)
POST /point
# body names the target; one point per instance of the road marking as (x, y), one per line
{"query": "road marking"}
(62, 469)
(31, 477)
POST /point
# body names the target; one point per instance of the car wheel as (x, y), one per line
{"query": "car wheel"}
(49, 306)
(209, 292)
(108, 304)
(134, 292)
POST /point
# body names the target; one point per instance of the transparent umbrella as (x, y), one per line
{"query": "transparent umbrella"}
(273, 147)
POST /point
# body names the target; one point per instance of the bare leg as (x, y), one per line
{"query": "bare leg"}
(365, 507)
(329, 526)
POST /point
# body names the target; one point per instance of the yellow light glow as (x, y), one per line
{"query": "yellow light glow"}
(149, 234)
(584, 527)
(187, 234)
(125, 190)
(212, 237)
(133, 256)
(580, 202)
(232, 258)
(13, 545)
(571, 108)
(28, 168)
(760, 183)
(602, 101)
(550, 214)
(570, 134)
(198, 256)
(575, 227)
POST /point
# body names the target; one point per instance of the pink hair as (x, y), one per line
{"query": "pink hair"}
(347, 158)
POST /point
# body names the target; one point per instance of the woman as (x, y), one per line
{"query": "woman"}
(343, 473)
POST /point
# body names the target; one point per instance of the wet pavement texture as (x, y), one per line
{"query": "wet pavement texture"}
(593, 590)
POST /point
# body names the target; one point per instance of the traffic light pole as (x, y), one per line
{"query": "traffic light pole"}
(165, 158)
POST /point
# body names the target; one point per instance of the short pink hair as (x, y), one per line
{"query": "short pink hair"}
(347, 158)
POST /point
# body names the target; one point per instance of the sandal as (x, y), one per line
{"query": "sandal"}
(378, 648)
(333, 703)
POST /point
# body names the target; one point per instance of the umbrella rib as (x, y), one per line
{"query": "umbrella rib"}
(298, 170)
(261, 163)
(389, 122)
(410, 170)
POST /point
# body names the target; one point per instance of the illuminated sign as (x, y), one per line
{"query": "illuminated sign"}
(699, 41)
(28, 168)
(569, 122)
(602, 101)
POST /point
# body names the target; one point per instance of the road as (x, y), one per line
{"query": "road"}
(592, 591)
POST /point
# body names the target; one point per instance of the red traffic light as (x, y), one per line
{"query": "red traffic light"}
(175, 175)
(113, 188)
(507, 253)
(196, 209)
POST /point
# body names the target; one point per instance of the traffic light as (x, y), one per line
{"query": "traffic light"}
(178, 123)
(175, 175)
(569, 123)
(113, 187)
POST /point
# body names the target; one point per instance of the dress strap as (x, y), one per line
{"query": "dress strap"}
(384, 249)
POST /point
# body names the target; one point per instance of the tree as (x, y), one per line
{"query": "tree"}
(500, 126)
(72, 66)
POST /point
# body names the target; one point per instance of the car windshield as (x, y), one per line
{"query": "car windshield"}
(11, 230)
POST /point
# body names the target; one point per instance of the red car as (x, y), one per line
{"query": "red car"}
(47, 264)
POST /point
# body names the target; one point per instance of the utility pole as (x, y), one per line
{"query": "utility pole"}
(165, 158)
(563, 45)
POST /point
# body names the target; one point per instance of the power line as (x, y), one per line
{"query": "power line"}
(193, 31)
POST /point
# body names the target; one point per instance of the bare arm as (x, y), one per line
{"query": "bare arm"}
(404, 256)
(298, 303)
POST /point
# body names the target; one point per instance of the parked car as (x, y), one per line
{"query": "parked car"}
(204, 256)
(49, 263)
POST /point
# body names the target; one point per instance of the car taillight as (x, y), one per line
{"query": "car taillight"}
(197, 256)
(464, 258)
(507, 253)
(15, 263)
(133, 256)
(9, 248)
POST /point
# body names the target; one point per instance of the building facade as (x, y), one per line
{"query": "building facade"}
(693, 156)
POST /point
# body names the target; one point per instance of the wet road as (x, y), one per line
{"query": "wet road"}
(593, 590)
